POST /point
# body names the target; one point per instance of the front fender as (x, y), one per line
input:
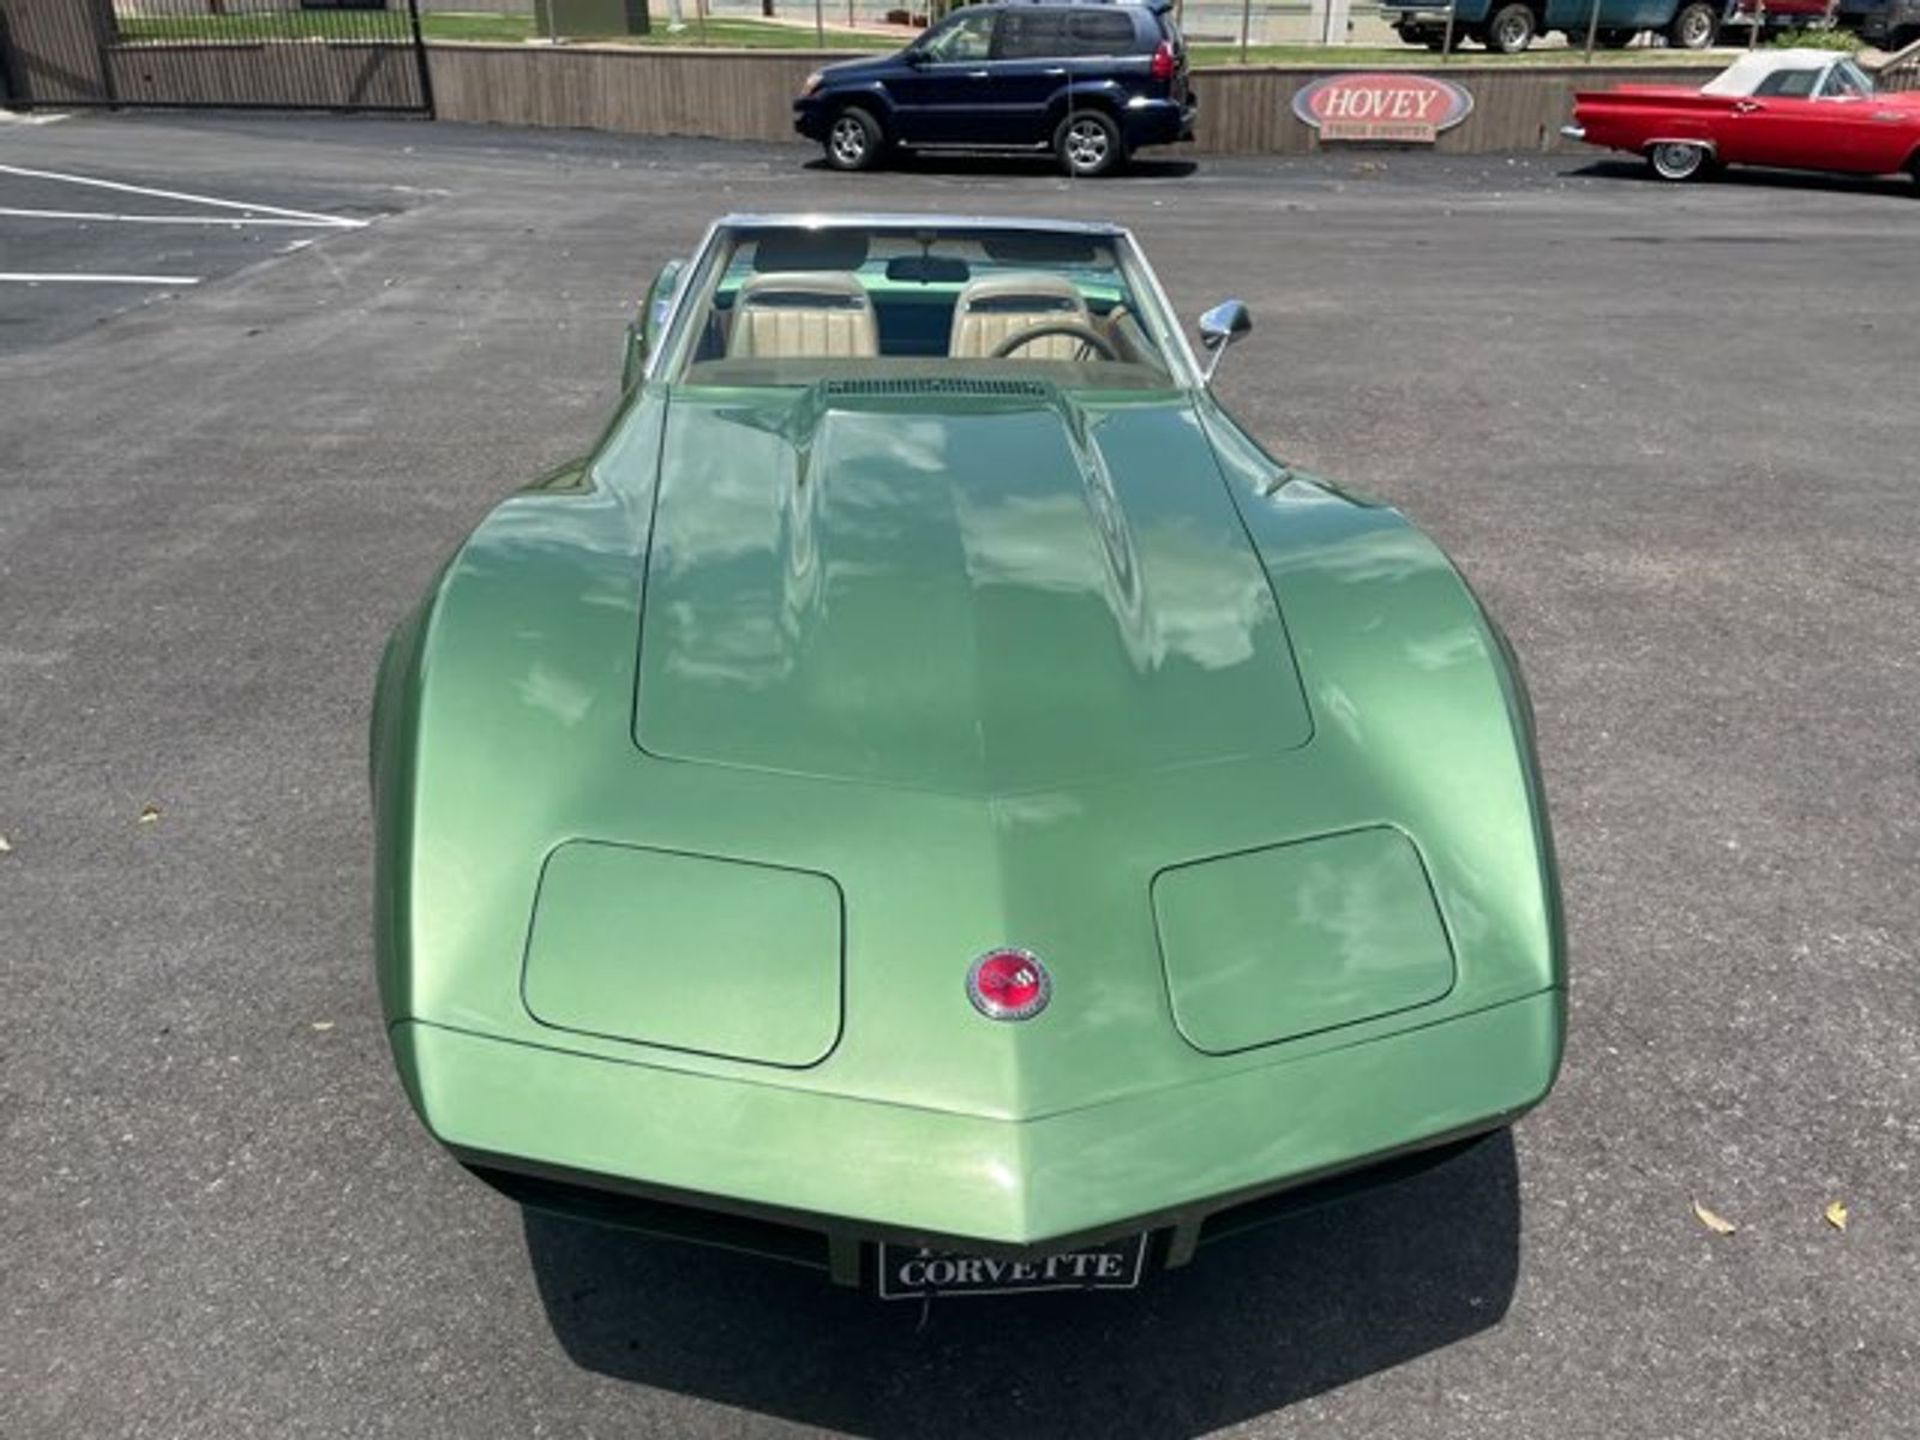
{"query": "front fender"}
(497, 700)
(1408, 677)
(870, 95)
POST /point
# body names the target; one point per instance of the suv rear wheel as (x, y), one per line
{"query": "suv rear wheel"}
(853, 140)
(1088, 143)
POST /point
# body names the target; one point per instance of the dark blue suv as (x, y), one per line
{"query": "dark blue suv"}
(1090, 80)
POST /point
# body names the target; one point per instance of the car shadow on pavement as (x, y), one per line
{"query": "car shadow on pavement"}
(1253, 1325)
(1738, 176)
(1038, 165)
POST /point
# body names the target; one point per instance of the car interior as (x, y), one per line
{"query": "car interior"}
(786, 301)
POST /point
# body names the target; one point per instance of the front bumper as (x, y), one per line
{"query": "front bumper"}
(1166, 1159)
(1574, 132)
(810, 117)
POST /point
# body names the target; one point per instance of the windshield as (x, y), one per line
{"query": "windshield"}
(1846, 80)
(792, 304)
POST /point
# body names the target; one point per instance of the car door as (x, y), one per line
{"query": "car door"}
(943, 91)
(1781, 123)
(1109, 57)
(1873, 135)
(1884, 136)
(1030, 63)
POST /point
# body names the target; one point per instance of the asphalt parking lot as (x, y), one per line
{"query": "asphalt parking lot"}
(1669, 432)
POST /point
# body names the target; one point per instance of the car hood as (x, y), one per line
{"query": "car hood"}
(866, 67)
(963, 592)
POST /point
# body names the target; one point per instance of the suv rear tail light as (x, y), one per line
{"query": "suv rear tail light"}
(1162, 66)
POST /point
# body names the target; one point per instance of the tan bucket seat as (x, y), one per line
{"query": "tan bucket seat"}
(992, 309)
(803, 315)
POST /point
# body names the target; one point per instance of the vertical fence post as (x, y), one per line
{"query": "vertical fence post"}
(420, 58)
(106, 30)
(1593, 28)
(1246, 24)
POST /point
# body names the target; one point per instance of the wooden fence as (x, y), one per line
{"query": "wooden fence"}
(729, 94)
(748, 95)
(280, 76)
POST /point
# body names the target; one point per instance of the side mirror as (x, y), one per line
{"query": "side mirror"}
(646, 328)
(915, 56)
(1225, 323)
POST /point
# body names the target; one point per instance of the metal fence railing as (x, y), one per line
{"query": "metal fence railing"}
(1268, 22)
(161, 22)
(1901, 71)
(254, 54)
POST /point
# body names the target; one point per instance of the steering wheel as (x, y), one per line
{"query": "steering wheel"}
(1089, 338)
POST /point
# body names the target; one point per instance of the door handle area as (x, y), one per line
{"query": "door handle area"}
(1054, 70)
(1747, 107)
(977, 74)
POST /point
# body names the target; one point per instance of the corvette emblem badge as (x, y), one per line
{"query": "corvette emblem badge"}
(1009, 985)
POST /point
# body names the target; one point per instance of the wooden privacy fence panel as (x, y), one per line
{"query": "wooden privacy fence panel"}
(1249, 109)
(748, 95)
(277, 76)
(728, 94)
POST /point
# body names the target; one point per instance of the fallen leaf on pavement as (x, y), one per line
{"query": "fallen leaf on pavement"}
(5, 848)
(1719, 1224)
(149, 814)
(323, 1024)
(1836, 1213)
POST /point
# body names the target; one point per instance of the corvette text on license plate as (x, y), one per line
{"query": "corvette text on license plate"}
(909, 1273)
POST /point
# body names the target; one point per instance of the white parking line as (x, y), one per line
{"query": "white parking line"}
(101, 215)
(333, 220)
(23, 277)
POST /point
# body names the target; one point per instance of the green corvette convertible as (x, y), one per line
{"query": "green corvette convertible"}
(929, 797)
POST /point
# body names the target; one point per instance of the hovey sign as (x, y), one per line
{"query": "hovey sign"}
(1384, 106)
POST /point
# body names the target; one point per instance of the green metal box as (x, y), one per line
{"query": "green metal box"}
(589, 19)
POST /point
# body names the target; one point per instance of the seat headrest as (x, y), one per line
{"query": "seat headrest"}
(804, 287)
(829, 249)
(803, 314)
(1020, 284)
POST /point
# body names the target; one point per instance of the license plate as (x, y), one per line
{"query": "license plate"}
(910, 1273)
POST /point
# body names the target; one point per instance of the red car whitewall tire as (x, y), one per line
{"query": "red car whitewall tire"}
(1678, 160)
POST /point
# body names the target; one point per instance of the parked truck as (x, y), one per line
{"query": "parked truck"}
(1885, 24)
(1510, 26)
(1775, 17)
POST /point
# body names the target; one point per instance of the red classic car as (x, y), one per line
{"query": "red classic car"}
(1796, 109)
